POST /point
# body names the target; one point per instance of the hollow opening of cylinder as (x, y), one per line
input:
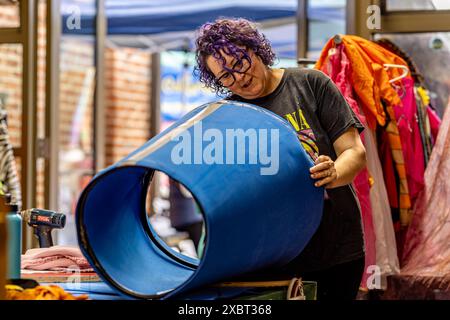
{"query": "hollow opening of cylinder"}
(175, 218)
(117, 234)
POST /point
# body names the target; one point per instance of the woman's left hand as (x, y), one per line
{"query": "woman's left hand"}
(324, 171)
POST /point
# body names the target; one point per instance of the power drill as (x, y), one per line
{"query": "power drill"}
(43, 222)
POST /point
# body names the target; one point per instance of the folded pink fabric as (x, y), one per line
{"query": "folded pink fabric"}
(56, 258)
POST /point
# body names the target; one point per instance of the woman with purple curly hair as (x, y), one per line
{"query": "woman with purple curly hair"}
(234, 57)
(236, 38)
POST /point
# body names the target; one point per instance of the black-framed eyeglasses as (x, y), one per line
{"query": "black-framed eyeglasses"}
(227, 79)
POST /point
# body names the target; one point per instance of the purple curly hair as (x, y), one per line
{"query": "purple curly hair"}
(228, 34)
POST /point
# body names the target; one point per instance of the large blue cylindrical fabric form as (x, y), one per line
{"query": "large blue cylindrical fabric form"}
(249, 174)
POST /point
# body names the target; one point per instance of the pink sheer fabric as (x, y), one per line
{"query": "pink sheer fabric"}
(385, 245)
(427, 249)
(426, 258)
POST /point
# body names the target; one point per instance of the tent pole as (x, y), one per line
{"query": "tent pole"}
(302, 28)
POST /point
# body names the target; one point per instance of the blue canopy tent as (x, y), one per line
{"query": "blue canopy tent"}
(160, 16)
(170, 24)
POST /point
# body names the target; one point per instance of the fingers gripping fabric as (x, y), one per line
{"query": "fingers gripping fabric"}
(260, 209)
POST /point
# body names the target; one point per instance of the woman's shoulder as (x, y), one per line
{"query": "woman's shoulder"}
(307, 73)
(312, 77)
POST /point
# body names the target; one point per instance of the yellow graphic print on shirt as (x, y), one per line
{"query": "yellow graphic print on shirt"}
(304, 132)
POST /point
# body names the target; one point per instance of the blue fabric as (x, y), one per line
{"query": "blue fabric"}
(95, 290)
(101, 291)
(170, 20)
(252, 220)
(160, 16)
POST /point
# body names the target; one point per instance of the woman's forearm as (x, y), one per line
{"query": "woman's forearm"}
(347, 165)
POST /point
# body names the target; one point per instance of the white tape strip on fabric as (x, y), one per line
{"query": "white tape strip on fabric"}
(169, 136)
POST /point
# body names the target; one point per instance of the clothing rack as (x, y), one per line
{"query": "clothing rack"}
(337, 39)
(305, 61)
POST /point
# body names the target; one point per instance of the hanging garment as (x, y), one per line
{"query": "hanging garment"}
(427, 250)
(8, 171)
(413, 150)
(386, 250)
(428, 120)
(395, 145)
(435, 123)
(391, 180)
(426, 257)
(422, 101)
(421, 95)
(339, 69)
(387, 164)
(369, 78)
(362, 188)
(370, 82)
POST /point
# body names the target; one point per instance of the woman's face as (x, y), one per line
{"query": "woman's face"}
(250, 84)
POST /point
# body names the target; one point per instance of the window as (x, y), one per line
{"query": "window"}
(431, 53)
(76, 109)
(325, 19)
(413, 5)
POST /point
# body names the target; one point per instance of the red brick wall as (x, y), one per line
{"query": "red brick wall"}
(11, 74)
(127, 101)
(127, 94)
(9, 16)
(11, 85)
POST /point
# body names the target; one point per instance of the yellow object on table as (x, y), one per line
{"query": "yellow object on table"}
(51, 292)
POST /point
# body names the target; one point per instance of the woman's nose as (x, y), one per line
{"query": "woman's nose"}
(238, 76)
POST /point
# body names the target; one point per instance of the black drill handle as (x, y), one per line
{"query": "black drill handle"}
(44, 235)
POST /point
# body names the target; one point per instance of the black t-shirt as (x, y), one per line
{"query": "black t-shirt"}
(315, 108)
